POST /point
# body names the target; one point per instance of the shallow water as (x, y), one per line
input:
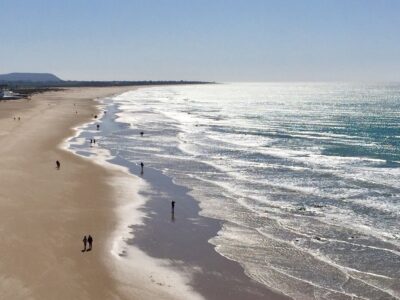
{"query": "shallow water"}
(306, 177)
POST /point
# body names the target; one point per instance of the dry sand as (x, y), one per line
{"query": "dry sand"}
(44, 212)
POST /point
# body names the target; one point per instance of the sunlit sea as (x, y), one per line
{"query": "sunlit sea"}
(305, 176)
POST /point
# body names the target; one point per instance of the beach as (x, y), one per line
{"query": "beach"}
(45, 212)
(187, 150)
(240, 229)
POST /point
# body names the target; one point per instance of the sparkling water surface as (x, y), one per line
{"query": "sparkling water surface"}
(306, 176)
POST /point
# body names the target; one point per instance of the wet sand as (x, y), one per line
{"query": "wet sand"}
(182, 237)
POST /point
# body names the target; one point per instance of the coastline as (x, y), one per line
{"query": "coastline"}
(180, 240)
(183, 237)
(45, 212)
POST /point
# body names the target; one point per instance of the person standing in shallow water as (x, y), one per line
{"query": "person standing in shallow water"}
(141, 166)
(90, 241)
(173, 211)
(84, 243)
(173, 205)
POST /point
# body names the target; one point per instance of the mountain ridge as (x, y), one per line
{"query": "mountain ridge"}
(29, 77)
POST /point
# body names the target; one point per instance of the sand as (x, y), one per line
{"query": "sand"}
(45, 212)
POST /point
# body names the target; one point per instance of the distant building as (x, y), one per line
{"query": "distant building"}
(6, 94)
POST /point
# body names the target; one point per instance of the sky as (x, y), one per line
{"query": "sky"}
(216, 40)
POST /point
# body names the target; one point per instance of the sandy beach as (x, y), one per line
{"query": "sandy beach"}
(45, 212)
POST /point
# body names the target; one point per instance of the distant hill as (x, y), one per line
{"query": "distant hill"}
(29, 77)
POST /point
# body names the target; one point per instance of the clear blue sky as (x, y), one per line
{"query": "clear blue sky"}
(249, 40)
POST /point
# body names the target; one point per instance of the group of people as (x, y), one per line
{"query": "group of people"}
(87, 243)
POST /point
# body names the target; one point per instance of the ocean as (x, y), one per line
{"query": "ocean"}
(305, 177)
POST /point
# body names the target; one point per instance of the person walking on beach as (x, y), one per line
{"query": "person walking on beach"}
(84, 243)
(90, 241)
(58, 165)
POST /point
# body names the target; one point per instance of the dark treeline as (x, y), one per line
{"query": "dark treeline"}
(27, 88)
(76, 83)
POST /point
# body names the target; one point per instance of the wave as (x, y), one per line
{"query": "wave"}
(304, 179)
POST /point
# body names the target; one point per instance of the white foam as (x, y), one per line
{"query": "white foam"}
(138, 275)
(196, 111)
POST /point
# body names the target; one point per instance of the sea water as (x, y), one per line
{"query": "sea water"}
(305, 176)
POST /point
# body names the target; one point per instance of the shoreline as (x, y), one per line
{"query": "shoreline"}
(45, 212)
(212, 275)
(157, 277)
(183, 237)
